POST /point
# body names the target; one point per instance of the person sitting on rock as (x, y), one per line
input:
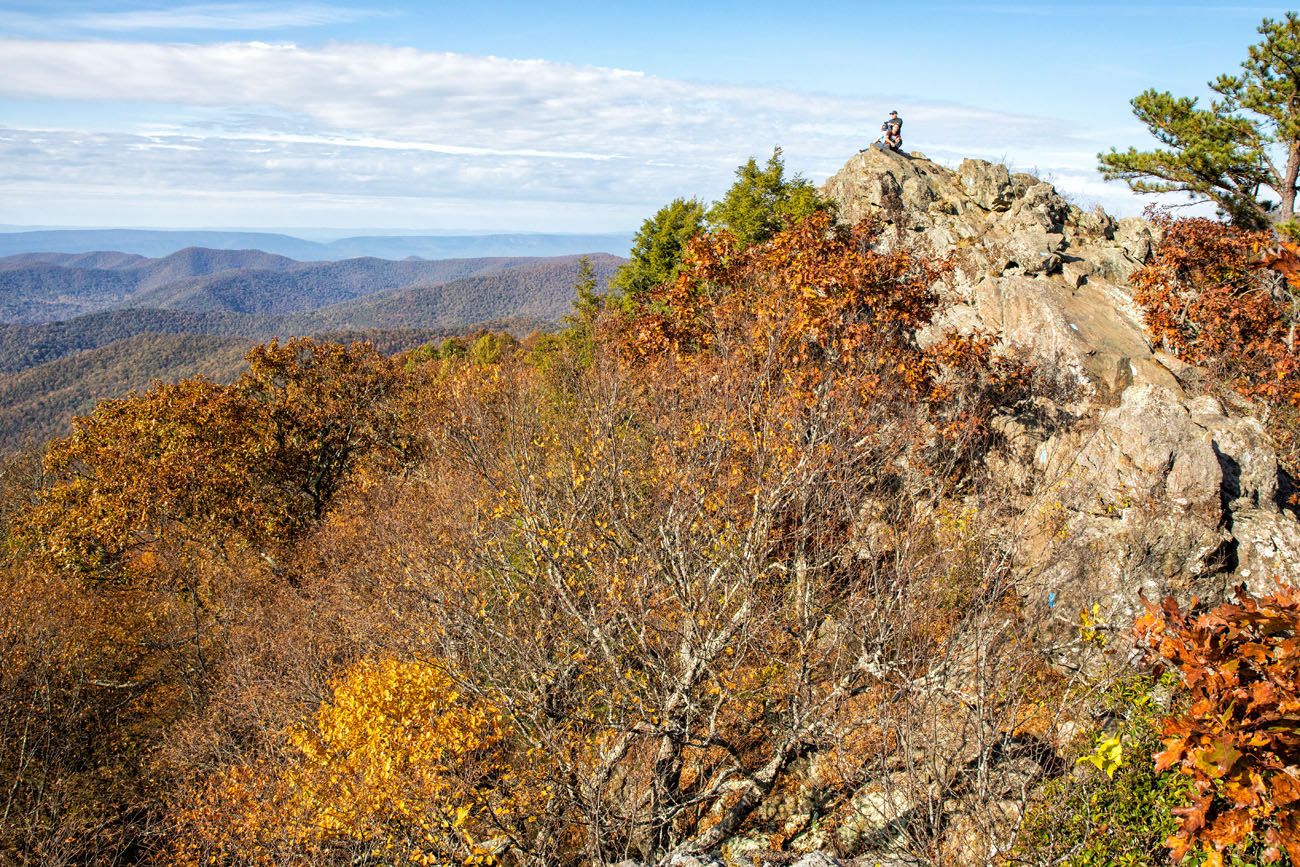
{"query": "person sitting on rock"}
(893, 132)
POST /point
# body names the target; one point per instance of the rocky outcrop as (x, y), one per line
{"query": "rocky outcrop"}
(1146, 487)
(1046, 276)
(1125, 481)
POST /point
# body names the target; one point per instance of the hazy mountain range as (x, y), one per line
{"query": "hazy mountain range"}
(161, 242)
(76, 327)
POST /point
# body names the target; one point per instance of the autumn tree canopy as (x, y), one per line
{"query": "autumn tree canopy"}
(257, 461)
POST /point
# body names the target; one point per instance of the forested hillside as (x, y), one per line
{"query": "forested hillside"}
(538, 289)
(38, 402)
(42, 288)
(48, 342)
(807, 541)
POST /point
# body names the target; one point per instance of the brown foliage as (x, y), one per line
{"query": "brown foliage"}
(620, 595)
(1224, 298)
(1238, 737)
(823, 313)
(71, 721)
(199, 463)
(158, 531)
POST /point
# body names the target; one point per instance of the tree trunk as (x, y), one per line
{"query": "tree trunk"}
(1287, 189)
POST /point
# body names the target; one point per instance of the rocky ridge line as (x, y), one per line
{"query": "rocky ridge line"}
(1149, 487)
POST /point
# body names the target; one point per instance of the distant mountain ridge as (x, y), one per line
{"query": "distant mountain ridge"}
(79, 326)
(38, 402)
(85, 326)
(160, 242)
(531, 289)
(47, 287)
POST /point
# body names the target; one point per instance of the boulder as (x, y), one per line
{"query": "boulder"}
(1160, 495)
(1075, 272)
(683, 860)
(817, 859)
(986, 184)
(1267, 548)
(876, 816)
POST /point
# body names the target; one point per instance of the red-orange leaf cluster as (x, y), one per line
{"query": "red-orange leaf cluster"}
(1239, 737)
(1225, 299)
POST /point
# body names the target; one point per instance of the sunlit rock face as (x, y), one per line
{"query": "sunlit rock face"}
(1138, 484)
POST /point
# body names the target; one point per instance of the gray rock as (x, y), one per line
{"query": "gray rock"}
(1040, 206)
(1268, 549)
(986, 184)
(1094, 226)
(1077, 331)
(1031, 252)
(1135, 238)
(1010, 227)
(875, 816)
(1076, 272)
(817, 859)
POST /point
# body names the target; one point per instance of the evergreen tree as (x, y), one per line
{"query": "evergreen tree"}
(659, 247)
(587, 300)
(577, 336)
(1245, 143)
(757, 206)
(761, 200)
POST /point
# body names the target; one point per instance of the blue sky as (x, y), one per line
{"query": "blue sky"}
(553, 116)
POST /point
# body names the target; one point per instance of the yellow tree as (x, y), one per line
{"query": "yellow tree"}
(398, 766)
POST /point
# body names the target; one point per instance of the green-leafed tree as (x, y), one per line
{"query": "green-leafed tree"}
(577, 337)
(1237, 151)
(587, 299)
(757, 206)
(659, 247)
(762, 199)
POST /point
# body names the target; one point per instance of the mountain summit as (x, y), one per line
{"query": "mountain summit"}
(1144, 482)
(1044, 274)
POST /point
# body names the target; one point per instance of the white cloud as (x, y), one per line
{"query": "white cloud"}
(370, 121)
